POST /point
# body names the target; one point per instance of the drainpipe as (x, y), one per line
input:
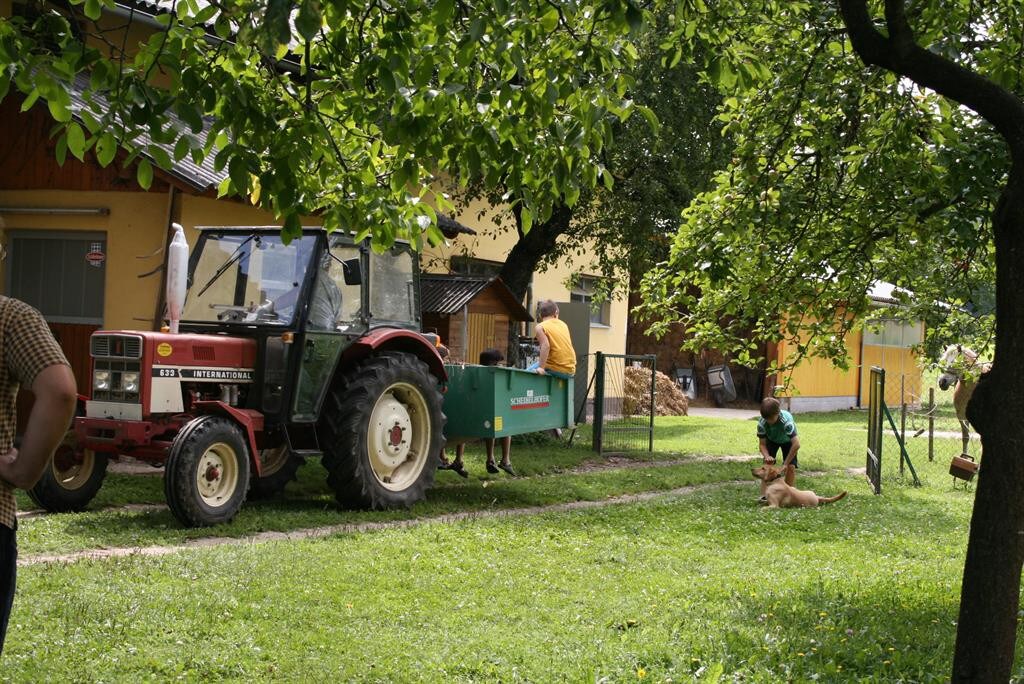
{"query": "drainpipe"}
(161, 301)
(465, 333)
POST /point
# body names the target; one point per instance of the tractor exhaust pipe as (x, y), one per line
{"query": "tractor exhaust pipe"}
(177, 275)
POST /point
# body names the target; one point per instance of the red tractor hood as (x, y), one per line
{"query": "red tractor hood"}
(166, 349)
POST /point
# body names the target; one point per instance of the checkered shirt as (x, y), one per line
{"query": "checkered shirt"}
(26, 347)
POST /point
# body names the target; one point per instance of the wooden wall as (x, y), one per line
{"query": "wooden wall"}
(28, 158)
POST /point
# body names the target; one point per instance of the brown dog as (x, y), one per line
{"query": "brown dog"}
(782, 495)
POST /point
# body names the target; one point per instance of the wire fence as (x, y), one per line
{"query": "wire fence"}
(623, 403)
(926, 422)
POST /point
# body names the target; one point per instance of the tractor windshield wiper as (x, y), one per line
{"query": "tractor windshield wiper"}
(235, 256)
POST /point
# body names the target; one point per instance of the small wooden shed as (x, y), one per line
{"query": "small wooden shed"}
(469, 313)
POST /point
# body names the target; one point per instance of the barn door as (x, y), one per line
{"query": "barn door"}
(61, 273)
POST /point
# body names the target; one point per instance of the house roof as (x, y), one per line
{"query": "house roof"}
(883, 293)
(202, 177)
(447, 294)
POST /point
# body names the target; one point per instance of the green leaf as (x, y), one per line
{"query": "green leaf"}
(61, 151)
(292, 227)
(59, 110)
(205, 14)
(527, 219)
(634, 17)
(387, 81)
(652, 118)
(106, 148)
(93, 9)
(443, 13)
(182, 147)
(144, 174)
(30, 100)
(5, 85)
(76, 141)
(309, 19)
(239, 172)
(160, 156)
(549, 21)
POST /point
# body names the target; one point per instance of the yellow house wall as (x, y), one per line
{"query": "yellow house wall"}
(494, 243)
(134, 228)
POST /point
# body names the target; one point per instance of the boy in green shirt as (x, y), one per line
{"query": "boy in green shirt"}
(776, 431)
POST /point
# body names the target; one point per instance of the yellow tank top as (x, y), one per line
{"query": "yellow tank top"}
(561, 357)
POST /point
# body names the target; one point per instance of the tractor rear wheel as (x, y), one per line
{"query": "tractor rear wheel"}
(381, 431)
(207, 472)
(277, 468)
(70, 480)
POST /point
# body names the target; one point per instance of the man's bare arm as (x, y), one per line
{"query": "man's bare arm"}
(54, 390)
(545, 349)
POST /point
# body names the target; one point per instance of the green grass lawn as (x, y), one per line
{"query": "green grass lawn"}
(679, 588)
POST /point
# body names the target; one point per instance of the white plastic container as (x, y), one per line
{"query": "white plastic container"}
(177, 275)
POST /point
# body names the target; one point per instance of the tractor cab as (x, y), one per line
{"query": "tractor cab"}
(304, 301)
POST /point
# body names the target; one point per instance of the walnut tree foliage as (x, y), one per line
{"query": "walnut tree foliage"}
(656, 164)
(343, 109)
(842, 175)
(876, 140)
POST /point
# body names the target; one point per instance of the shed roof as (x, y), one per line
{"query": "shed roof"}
(448, 294)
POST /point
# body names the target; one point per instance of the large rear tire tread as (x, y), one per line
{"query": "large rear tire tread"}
(343, 430)
(183, 462)
(272, 484)
(52, 494)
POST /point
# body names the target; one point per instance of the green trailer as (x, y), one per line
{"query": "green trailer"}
(493, 401)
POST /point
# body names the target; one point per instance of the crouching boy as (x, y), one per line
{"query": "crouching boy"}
(776, 431)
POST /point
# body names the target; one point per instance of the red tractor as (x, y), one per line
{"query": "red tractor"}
(286, 348)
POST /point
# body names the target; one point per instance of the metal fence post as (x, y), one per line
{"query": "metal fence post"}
(931, 423)
(598, 399)
(903, 417)
(654, 370)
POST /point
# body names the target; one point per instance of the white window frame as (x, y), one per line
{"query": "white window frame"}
(895, 333)
(465, 265)
(582, 290)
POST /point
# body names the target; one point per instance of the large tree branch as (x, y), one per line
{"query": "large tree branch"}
(898, 52)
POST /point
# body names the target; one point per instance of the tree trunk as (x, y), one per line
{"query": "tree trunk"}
(990, 594)
(530, 249)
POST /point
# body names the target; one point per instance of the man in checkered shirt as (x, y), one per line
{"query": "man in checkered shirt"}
(29, 357)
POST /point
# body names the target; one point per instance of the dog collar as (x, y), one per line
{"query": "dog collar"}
(781, 474)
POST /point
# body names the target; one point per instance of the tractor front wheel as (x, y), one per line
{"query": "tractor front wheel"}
(71, 479)
(381, 431)
(207, 472)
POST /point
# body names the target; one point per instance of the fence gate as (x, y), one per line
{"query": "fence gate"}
(623, 402)
(876, 393)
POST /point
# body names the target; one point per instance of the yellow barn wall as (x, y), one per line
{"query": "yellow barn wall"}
(494, 243)
(134, 228)
(816, 377)
(900, 365)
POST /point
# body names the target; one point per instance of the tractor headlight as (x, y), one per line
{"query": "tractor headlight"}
(130, 383)
(101, 380)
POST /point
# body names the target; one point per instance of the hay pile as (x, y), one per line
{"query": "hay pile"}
(669, 400)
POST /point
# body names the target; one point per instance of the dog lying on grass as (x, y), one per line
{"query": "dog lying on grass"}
(781, 495)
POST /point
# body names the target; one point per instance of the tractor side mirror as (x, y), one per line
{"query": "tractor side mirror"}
(353, 271)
